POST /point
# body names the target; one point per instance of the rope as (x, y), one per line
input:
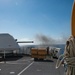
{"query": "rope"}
(68, 57)
(59, 61)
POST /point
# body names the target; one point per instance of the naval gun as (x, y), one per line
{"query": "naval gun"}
(8, 44)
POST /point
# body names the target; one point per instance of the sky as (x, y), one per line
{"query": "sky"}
(25, 19)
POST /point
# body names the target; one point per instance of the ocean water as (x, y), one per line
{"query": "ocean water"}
(62, 46)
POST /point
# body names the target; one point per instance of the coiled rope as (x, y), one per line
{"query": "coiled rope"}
(68, 56)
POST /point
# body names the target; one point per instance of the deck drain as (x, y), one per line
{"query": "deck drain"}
(38, 70)
(12, 72)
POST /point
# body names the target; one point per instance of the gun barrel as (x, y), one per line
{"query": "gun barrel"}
(25, 41)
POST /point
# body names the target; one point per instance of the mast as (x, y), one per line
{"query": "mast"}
(73, 20)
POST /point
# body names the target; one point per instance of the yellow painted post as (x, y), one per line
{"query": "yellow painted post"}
(73, 20)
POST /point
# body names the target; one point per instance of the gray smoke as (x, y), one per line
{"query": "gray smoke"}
(43, 39)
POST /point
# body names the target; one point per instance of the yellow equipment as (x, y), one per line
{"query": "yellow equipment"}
(38, 53)
(73, 20)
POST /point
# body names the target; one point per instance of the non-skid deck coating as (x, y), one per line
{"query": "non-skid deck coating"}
(27, 66)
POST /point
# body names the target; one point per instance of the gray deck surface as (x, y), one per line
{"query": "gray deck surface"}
(27, 66)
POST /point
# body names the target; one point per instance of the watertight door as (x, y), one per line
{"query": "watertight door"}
(73, 20)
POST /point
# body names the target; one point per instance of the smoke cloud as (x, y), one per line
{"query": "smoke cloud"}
(43, 39)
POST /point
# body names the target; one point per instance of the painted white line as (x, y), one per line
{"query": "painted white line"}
(12, 72)
(2, 62)
(0, 69)
(38, 70)
(14, 63)
(25, 68)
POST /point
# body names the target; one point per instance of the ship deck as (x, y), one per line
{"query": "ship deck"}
(27, 66)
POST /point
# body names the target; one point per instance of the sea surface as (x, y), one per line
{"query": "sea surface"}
(62, 46)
